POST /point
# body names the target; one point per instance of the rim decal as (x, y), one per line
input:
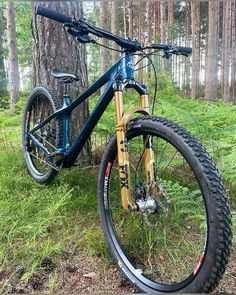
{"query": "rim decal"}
(108, 169)
(199, 264)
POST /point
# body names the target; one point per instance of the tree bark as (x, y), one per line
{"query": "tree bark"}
(156, 19)
(125, 19)
(140, 24)
(3, 81)
(233, 60)
(186, 61)
(54, 48)
(115, 28)
(148, 22)
(13, 70)
(171, 12)
(130, 18)
(103, 22)
(226, 52)
(211, 77)
(195, 13)
(163, 31)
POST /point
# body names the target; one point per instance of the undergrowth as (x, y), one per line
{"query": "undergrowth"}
(38, 221)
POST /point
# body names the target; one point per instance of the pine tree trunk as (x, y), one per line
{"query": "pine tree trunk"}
(187, 66)
(148, 37)
(115, 28)
(103, 22)
(195, 13)
(157, 59)
(226, 46)
(156, 19)
(54, 48)
(233, 63)
(148, 22)
(3, 82)
(163, 31)
(171, 12)
(125, 19)
(140, 35)
(223, 52)
(130, 18)
(211, 77)
(13, 71)
(170, 21)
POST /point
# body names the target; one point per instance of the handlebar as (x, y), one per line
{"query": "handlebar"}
(83, 28)
(54, 15)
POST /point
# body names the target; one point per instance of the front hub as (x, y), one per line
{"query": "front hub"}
(150, 206)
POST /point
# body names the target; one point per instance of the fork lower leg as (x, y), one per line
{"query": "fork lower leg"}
(123, 157)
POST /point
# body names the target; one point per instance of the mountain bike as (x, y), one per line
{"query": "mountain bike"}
(163, 206)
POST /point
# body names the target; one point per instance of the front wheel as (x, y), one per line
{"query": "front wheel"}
(183, 245)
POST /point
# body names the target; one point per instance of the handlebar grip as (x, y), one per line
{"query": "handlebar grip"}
(54, 15)
(160, 46)
(184, 50)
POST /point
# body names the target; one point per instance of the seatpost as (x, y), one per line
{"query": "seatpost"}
(65, 89)
(66, 121)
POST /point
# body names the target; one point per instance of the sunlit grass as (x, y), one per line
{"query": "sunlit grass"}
(38, 221)
(42, 221)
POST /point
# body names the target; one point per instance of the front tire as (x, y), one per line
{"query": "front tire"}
(184, 246)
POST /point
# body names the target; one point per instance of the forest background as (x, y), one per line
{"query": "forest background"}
(198, 92)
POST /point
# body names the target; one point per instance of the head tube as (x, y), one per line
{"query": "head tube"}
(126, 67)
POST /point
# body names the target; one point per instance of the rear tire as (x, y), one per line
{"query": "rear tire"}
(41, 103)
(161, 254)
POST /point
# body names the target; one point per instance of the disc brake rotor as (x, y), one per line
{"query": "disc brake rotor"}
(150, 207)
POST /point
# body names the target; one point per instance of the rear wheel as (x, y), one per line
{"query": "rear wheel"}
(41, 103)
(182, 242)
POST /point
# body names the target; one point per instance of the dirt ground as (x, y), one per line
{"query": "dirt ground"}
(80, 274)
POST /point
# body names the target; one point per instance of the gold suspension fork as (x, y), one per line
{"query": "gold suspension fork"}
(149, 160)
(123, 157)
(122, 121)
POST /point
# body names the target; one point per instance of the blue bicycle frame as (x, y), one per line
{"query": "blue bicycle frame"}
(118, 77)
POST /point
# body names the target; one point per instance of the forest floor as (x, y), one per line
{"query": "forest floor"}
(83, 274)
(37, 253)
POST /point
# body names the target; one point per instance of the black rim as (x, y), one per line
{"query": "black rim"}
(196, 227)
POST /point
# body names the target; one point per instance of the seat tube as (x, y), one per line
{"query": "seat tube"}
(149, 160)
(122, 150)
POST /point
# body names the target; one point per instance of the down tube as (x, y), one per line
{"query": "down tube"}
(89, 125)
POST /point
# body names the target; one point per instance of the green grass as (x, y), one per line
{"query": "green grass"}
(46, 221)
(41, 221)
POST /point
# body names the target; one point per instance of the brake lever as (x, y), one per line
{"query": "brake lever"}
(167, 54)
(81, 36)
(84, 38)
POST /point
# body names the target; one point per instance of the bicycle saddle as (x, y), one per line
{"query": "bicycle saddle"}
(66, 77)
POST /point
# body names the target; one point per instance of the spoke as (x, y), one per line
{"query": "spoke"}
(158, 164)
(37, 132)
(54, 167)
(171, 236)
(171, 160)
